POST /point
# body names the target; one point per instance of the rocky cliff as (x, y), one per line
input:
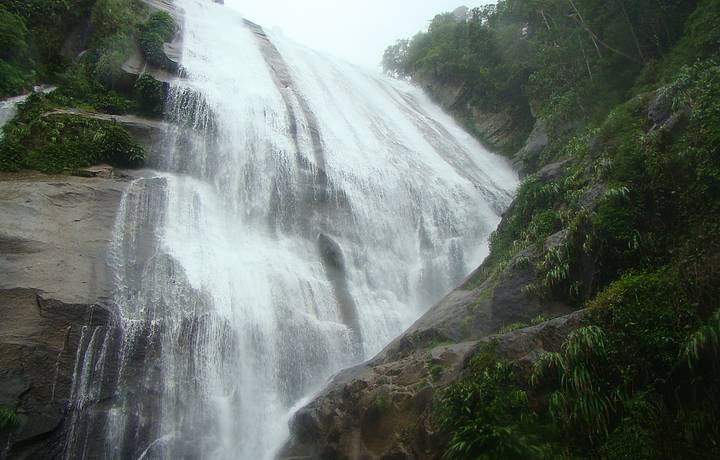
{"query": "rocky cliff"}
(54, 241)
(383, 409)
(55, 237)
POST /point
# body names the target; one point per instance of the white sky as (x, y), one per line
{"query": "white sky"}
(358, 31)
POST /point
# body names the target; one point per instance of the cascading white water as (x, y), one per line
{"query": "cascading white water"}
(307, 214)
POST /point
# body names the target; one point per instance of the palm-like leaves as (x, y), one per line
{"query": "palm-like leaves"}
(578, 400)
(705, 341)
(8, 418)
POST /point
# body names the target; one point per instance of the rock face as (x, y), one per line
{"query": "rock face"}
(498, 129)
(383, 409)
(528, 157)
(54, 238)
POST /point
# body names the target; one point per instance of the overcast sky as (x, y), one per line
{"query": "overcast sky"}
(358, 31)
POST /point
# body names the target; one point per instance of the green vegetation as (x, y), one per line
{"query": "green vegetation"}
(488, 415)
(43, 37)
(150, 95)
(15, 72)
(629, 96)
(38, 30)
(49, 141)
(8, 418)
(566, 61)
(42, 42)
(159, 29)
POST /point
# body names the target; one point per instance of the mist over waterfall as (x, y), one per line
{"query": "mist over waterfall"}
(303, 214)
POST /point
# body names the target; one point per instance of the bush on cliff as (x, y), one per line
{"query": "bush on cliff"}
(150, 95)
(8, 418)
(54, 142)
(488, 416)
(154, 33)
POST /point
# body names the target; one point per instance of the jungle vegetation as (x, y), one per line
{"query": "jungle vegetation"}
(629, 95)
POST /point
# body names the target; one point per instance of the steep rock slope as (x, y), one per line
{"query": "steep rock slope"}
(54, 239)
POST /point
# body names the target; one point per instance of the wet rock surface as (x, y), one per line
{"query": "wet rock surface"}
(54, 238)
(55, 233)
(384, 409)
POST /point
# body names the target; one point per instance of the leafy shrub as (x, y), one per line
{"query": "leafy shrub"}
(582, 403)
(78, 89)
(111, 17)
(158, 30)
(113, 32)
(13, 79)
(14, 54)
(8, 418)
(13, 35)
(648, 318)
(487, 414)
(150, 94)
(55, 142)
(65, 142)
(49, 23)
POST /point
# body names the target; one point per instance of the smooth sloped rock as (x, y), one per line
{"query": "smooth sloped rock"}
(55, 232)
(528, 157)
(54, 238)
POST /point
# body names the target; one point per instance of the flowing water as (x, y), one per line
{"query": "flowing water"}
(306, 213)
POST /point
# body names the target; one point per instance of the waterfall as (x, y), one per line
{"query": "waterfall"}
(304, 213)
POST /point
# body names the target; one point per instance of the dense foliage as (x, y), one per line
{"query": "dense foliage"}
(33, 35)
(635, 217)
(488, 416)
(51, 141)
(79, 46)
(15, 72)
(8, 418)
(150, 95)
(563, 60)
(159, 29)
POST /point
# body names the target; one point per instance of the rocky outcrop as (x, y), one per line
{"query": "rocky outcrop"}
(384, 409)
(54, 238)
(40, 338)
(483, 304)
(55, 233)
